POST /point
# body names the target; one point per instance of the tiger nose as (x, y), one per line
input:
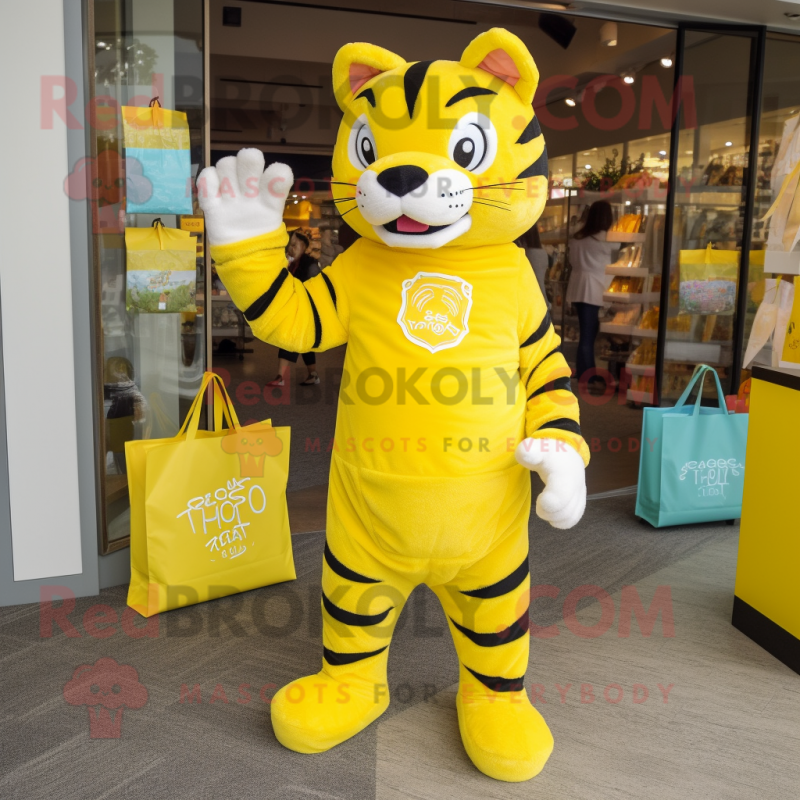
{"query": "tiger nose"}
(402, 180)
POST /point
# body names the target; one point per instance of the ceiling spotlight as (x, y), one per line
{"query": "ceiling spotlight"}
(791, 15)
(101, 44)
(629, 77)
(728, 144)
(587, 166)
(667, 62)
(571, 102)
(662, 152)
(609, 34)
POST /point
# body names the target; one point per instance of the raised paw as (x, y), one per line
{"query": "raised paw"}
(240, 199)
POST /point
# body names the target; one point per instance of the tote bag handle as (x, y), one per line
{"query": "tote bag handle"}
(700, 375)
(223, 406)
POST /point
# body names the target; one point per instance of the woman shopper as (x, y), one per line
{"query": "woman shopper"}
(303, 267)
(531, 243)
(589, 254)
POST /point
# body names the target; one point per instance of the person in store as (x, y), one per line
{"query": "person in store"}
(531, 243)
(589, 254)
(304, 267)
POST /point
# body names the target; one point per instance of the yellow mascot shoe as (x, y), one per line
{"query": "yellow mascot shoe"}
(504, 735)
(315, 713)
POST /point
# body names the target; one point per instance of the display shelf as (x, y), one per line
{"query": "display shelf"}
(649, 370)
(626, 238)
(617, 330)
(225, 332)
(645, 333)
(692, 352)
(777, 262)
(649, 195)
(631, 272)
(553, 237)
(631, 297)
(640, 397)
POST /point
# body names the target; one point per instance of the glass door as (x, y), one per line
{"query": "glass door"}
(712, 203)
(149, 312)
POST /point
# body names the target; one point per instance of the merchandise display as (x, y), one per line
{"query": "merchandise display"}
(644, 354)
(629, 223)
(441, 511)
(629, 258)
(626, 285)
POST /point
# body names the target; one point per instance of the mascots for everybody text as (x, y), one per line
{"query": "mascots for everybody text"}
(455, 384)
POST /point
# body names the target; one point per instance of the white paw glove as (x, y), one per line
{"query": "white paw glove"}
(240, 200)
(563, 500)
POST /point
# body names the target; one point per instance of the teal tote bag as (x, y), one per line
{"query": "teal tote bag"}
(691, 467)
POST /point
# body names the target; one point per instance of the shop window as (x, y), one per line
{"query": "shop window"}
(150, 328)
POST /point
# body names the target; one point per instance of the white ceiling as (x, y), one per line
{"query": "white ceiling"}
(761, 12)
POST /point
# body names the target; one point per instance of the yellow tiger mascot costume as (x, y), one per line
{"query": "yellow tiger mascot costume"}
(454, 383)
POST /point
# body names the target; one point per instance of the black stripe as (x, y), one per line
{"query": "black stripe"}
(345, 572)
(349, 618)
(562, 383)
(262, 304)
(341, 659)
(412, 83)
(317, 321)
(563, 424)
(539, 332)
(499, 684)
(367, 94)
(532, 130)
(551, 353)
(513, 632)
(538, 168)
(330, 287)
(470, 91)
(504, 586)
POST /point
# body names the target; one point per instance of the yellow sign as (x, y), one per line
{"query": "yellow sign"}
(193, 224)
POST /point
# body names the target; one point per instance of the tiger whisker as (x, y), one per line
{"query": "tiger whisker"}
(490, 205)
(506, 183)
(343, 183)
(491, 200)
(348, 211)
(504, 188)
(344, 199)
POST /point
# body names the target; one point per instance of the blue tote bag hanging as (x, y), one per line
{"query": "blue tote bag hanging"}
(691, 467)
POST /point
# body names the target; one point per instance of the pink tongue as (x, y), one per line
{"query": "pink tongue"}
(407, 225)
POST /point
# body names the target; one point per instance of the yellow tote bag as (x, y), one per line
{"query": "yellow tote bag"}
(708, 280)
(161, 270)
(158, 170)
(208, 510)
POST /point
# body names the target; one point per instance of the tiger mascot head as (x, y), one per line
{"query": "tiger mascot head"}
(439, 153)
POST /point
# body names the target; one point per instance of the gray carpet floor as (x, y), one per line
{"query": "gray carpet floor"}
(226, 750)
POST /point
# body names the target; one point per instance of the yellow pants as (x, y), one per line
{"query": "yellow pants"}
(482, 586)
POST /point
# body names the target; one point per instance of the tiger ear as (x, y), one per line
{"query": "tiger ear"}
(357, 63)
(502, 54)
